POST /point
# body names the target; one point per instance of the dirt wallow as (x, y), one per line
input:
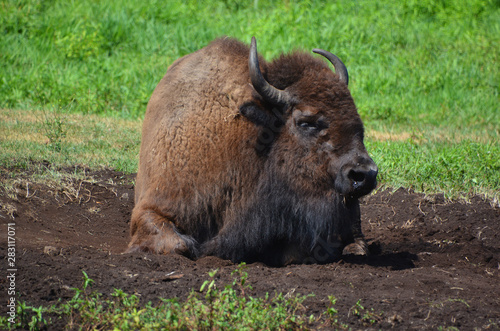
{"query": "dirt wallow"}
(434, 263)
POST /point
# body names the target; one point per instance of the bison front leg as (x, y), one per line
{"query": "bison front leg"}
(357, 245)
(152, 232)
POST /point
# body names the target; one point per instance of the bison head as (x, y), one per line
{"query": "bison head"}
(308, 118)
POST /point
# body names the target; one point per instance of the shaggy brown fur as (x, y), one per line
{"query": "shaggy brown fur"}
(223, 172)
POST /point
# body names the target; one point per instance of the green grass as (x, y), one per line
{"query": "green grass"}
(424, 75)
(214, 306)
(459, 170)
(413, 61)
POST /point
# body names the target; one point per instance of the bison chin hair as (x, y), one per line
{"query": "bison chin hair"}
(282, 226)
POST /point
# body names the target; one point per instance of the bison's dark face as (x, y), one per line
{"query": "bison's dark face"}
(326, 133)
(315, 131)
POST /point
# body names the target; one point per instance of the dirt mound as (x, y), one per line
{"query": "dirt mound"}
(434, 262)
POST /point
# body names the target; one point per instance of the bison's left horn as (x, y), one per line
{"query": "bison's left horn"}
(267, 91)
(340, 67)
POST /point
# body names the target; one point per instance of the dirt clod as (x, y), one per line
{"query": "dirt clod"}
(51, 250)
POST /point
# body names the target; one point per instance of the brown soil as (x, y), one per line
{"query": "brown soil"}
(434, 262)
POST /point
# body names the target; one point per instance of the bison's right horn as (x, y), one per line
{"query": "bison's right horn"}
(267, 91)
(339, 66)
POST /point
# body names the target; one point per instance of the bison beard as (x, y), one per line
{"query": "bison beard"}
(251, 165)
(283, 226)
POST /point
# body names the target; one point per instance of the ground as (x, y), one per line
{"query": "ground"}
(434, 262)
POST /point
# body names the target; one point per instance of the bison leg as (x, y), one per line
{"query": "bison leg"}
(356, 244)
(358, 247)
(152, 232)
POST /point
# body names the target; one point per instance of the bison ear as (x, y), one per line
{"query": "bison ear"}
(254, 113)
(260, 116)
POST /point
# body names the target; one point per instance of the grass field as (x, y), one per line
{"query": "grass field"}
(75, 78)
(424, 74)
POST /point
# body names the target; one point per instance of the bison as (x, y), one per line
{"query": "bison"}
(251, 160)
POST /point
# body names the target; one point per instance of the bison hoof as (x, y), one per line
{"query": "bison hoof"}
(164, 243)
(132, 249)
(359, 247)
(182, 248)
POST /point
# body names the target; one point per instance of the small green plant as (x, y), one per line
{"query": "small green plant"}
(37, 319)
(28, 317)
(232, 306)
(332, 313)
(367, 316)
(447, 328)
(53, 127)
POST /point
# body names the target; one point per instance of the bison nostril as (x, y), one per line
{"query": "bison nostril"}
(356, 176)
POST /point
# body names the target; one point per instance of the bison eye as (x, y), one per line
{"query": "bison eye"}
(307, 125)
(311, 126)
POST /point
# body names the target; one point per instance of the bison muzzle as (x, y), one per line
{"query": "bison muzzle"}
(251, 160)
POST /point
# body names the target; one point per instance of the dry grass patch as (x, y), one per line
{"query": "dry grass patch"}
(66, 139)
